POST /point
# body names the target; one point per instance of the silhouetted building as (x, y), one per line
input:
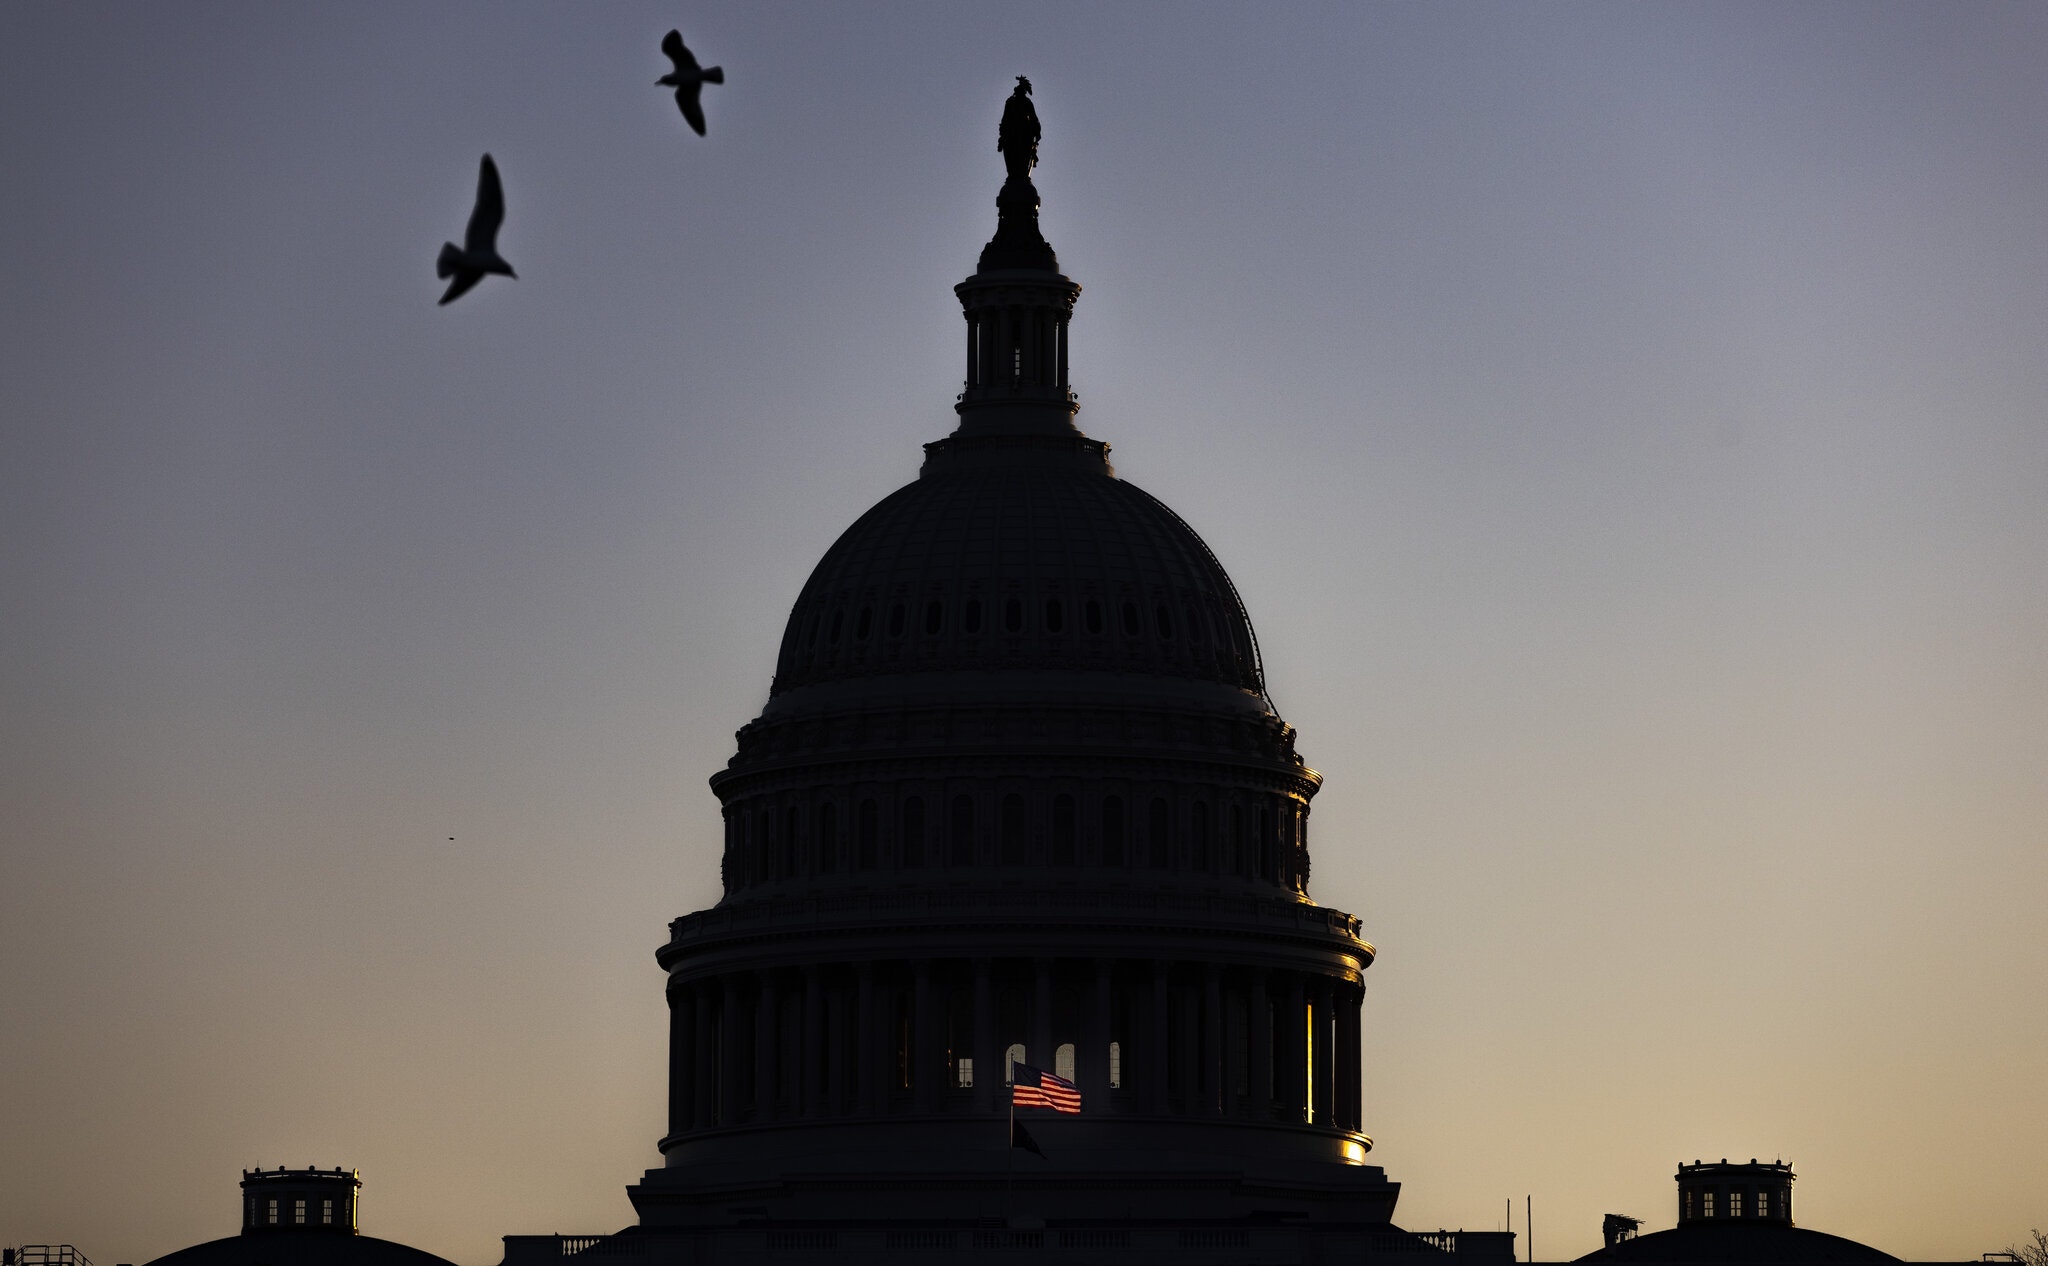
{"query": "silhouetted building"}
(1017, 797)
(299, 1216)
(1734, 1213)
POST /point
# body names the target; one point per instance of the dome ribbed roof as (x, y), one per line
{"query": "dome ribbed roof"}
(1014, 563)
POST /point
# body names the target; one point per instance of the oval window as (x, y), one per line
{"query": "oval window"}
(1055, 618)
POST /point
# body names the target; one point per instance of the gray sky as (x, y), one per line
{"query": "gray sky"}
(1627, 424)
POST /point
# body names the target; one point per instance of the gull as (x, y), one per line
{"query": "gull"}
(687, 79)
(478, 253)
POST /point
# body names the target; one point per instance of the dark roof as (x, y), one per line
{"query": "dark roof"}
(1751, 1243)
(1101, 549)
(292, 1249)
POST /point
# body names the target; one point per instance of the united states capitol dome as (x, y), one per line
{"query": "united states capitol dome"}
(1017, 807)
(1017, 553)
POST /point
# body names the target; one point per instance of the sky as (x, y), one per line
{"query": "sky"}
(1627, 426)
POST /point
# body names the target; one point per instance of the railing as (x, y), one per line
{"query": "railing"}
(537, 1249)
(49, 1255)
(754, 916)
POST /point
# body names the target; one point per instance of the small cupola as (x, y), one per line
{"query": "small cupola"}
(305, 1201)
(1760, 1191)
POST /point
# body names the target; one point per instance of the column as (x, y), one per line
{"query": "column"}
(924, 1078)
(986, 1056)
(811, 1081)
(1293, 1036)
(1041, 1015)
(728, 1051)
(837, 1073)
(1212, 1040)
(1323, 1060)
(701, 1105)
(767, 1011)
(864, 1057)
(1161, 1043)
(1092, 1059)
(681, 1049)
(1259, 1023)
(1353, 1053)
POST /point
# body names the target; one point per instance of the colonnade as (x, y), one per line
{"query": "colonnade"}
(920, 1037)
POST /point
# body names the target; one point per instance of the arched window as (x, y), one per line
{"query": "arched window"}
(1013, 1055)
(1063, 1061)
(868, 846)
(1237, 840)
(1116, 1065)
(1112, 830)
(913, 832)
(792, 838)
(1159, 840)
(1200, 862)
(828, 837)
(963, 830)
(1062, 830)
(1013, 831)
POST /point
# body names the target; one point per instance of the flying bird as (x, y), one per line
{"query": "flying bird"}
(688, 79)
(478, 253)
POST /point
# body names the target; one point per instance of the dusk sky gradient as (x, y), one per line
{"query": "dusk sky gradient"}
(1627, 425)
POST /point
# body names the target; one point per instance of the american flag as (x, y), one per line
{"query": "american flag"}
(1035, 1088)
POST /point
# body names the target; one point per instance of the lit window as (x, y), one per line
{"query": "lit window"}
(1116, 1065)
(964, 1072)
(1706, 1204)
(1011, 1058)
(299, 1212)
(1063, 1061)
(327, 1212)
(273, 1212)
(1735, 1204)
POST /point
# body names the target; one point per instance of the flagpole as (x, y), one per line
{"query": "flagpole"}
(1009, 1160)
